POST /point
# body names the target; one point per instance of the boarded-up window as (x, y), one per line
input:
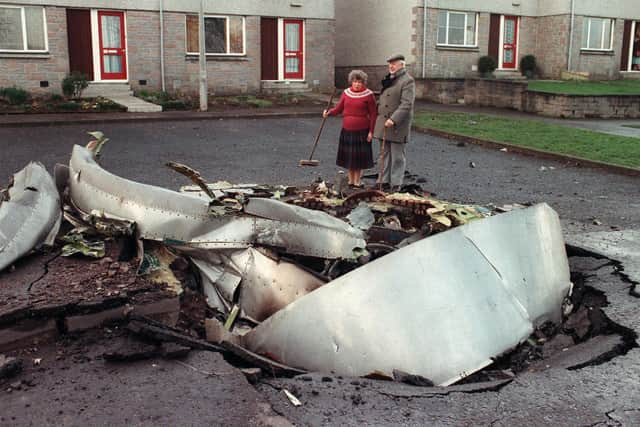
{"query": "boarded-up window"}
(223, 35)
(22, 28)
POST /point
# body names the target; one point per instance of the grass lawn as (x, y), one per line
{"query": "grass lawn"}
(611, 87)
(597, 146)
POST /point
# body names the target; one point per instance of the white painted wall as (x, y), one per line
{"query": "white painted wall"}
(625, 9)
(318, 9)
(368, 31)
(523, 8)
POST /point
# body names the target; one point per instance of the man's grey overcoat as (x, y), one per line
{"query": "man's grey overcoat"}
(396, 103)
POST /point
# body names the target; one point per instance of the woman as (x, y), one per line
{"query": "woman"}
(358, 107)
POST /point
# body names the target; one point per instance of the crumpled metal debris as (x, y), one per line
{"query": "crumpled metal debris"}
(30, 213)
(361, 217)
(401, 300)
(263, 285)
(184, 220)
(422, 311)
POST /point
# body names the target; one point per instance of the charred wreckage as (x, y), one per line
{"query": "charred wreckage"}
(297, 280)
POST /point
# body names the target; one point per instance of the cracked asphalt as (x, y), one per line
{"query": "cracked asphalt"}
(594, 206)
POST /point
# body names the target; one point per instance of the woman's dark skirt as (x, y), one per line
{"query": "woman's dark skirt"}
(354, 152)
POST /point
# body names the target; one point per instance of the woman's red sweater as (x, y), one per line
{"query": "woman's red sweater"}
(358, 110)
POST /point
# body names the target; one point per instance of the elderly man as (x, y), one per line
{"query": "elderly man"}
(395, 113)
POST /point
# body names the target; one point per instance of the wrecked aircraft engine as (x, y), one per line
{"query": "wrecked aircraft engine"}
(182, 219)
(30, 213)
(440, 308)
(397, 289)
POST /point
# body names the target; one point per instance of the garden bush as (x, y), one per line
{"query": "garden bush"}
(528, 66)
(14, 95)
(173, 104)
(74, 84)
(486, 65)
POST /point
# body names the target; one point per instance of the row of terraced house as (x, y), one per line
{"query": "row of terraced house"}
(253, 46)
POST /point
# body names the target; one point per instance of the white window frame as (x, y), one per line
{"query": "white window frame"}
(228, 41)
(634, 25)
(24, 31)
(601, 48)
(466, 18)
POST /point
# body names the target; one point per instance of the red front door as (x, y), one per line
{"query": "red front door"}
(510, 42)
(293, 48)
(113, 54)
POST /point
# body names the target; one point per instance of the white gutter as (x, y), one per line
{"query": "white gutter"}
(573, 15)
(424, 39)
(162, 45)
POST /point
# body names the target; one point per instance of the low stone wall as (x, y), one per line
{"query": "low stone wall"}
(514, 95)
(583, 106)
(495, 93)
(441, 91)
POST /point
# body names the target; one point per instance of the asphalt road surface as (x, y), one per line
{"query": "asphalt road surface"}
(72, 386)
(268, 151)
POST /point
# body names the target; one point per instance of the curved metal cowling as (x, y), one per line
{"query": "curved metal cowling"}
(31, 216)
(166, 215)
(440, 308)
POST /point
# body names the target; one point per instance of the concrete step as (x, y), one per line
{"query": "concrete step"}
(106, 89)
(508, 75)
(275, 87)
(135, 105)
(630, 75)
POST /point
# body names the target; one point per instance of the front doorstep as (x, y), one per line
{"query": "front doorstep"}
(284, 86)
(630, 75)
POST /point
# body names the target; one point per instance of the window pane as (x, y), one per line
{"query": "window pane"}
(595, 37)
(192, 33)
(471, 29)
(509, 31)
(585, 34)
(10, 29)
(456, 28)
(111, 31)
(442, 27)
(606, 43)
(292, 65)
(35, 28)
(456, 36)
(235, 34)
(215, 35)
(112, 64)
(442, 35)
(292, 37)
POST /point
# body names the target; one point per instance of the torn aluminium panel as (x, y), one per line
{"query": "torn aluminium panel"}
(183, 219)
(440, 308)
(31, 214)
(263, 285)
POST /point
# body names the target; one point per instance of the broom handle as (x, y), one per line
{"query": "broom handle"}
(381, 160)
(324, 119)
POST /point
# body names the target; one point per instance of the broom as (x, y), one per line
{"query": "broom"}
(311, 162)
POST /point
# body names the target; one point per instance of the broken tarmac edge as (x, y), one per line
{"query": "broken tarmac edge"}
(533, 152)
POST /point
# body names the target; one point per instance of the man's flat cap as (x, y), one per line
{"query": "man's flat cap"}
(396, 57)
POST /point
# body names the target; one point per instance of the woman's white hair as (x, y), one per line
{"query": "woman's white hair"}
(358, 75)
